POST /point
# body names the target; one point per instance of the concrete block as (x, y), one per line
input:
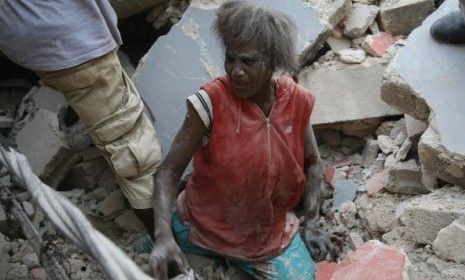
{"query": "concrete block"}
(378, 212)
(400, 17)
(40, 141)
(128, 221)
(331, 11)
(360, 18)
(424, 216)
(370, 152)
(47, 98)
(377, 44)
(405, 178)
(415, 128)
(449, 243)
(114, 203)
(358, 85)
(403, 150)
(170, 71)
(440, 161)
(373, 260)
(339, 44)
(385, 144)
(415, 84)
(352, 56)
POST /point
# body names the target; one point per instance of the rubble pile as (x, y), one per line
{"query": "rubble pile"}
(389, 139)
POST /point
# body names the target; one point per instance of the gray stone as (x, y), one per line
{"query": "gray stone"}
(426, 215)
(355, 240)
(344, 191)
(331, 11)
(47, 98)
(370, 152)
(75, 193)
(339, 44)
(415, 128)
(129, 222)
(17, 271)
(439, 161)
(114, 203)
(190, 55)
(385, 144)
(39, 140)
(357, 85)
(449, 243)
(360, 18)
(403, 150)
(31, 260)
(378, 212)
(400, 17)
(405, 178)
(415, 82)
(351, 56)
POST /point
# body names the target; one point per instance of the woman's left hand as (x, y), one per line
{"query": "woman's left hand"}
(320, 243)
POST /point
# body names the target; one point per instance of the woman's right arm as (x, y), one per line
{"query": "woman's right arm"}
(186, 142)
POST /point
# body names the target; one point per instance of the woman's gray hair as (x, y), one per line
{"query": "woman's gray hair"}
(271, 32)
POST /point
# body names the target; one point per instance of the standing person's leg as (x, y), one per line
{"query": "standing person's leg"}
(450, 28)
(294, 263)
(109, 105)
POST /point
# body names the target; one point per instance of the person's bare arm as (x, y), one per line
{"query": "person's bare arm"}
(165, 251)
(318, 242)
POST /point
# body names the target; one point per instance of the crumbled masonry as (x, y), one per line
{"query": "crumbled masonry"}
(388, 120)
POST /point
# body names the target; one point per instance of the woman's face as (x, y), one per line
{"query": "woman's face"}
(248, 70)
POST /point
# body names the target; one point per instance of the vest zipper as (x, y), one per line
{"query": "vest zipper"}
(267, 126)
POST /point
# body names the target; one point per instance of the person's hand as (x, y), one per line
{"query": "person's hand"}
(171, 11)
(320, 243)
(167, 254)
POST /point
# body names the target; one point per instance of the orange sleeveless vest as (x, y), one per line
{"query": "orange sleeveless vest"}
(250, 174)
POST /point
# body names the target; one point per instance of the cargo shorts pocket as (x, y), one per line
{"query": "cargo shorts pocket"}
(135, 154)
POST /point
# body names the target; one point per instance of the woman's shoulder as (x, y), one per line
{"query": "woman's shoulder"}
(217, 85)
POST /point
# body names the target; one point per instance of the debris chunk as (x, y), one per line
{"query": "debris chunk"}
(359, 19)
(449, 243)
(344, 190)
(400, 17)
(405, 178)
(351, 56)
(377, 44)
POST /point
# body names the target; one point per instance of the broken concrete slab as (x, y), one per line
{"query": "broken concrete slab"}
(449, 243)
(40, 141)
(47, 98)
(344, 190)
(171, 71)
(400, 17)
(427, 79)
(358, 85)
(360, 18)
(373, 260)
(331, 11)
(405, 178)
(438, 160)
(385, 144)
(424, 216)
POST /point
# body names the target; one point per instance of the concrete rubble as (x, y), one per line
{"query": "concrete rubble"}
(383, 134)
(441, 147)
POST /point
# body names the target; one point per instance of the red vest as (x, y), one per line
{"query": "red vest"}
(250, 174)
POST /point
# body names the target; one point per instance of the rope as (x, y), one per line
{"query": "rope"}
(70, 221)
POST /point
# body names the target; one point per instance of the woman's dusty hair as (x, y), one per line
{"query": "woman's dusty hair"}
(271, 32)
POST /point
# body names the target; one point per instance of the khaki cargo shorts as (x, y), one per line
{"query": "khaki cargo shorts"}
(108, 103)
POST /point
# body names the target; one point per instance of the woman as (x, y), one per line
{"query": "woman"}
(254, 156)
